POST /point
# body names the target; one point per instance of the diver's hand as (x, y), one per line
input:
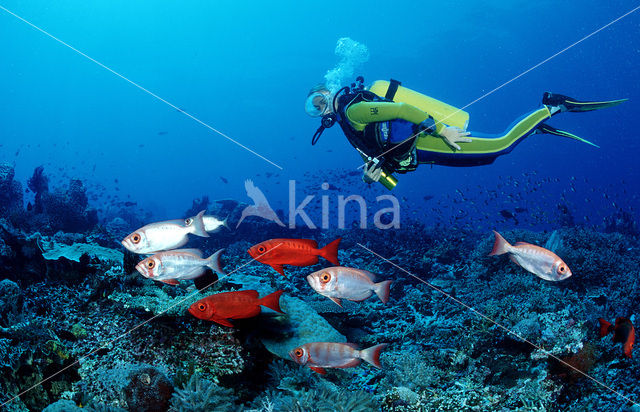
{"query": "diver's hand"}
(372, 172)
(453, 135)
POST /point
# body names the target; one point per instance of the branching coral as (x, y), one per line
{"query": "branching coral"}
(201, 395)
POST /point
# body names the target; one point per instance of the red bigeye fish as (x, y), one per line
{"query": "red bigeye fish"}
(537, 260)
(167, 235)
(182, 264)
(623, 332)
(294, 252)
(340, 282)
(242, 304)
(320, 355)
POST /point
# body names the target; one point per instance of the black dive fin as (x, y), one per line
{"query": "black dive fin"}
(547, 129)
(572, 105)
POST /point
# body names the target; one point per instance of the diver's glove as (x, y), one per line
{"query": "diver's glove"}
(453, 135)
(372, 172)
(427, 126)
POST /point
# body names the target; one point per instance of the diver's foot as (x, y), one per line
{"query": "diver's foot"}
(548, 129)
(560, 103)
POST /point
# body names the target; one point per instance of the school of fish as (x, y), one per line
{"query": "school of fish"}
(170, 264)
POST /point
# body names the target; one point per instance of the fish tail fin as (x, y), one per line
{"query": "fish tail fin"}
(330, 252)
(225, 222)
(382, 290)
(372, 355)
(272, 301)
(605, 327)
(501, 246)
(214, 262)
(198, 225)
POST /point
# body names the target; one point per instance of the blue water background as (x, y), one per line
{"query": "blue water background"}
(245, 68)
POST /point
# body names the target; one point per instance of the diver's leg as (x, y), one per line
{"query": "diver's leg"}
(483, 148)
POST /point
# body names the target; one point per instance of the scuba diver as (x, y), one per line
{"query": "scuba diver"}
(395, 129)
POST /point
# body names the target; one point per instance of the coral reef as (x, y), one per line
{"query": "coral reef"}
(67, 210)
(148, 390)
(10, 191)
(304, 324)
(63, 209)
(441, 355)
(39, 185)
(621, 222)
(201, 395)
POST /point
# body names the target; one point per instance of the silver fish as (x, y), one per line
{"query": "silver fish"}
(541, 262)
(211, 223)
(320, 355)
(167, 235)
(339, 282)
(175, 265)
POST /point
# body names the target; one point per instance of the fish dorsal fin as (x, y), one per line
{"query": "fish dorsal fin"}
(196, 252)
(352, 345)
(523, 244)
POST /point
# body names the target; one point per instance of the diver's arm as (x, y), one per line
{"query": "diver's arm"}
(364, 113)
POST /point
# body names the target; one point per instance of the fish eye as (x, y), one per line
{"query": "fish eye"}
(151, 264)
(325, 277)
(135, 238)
(562, 269)
(298, 352)
(202, 307)
(262, 249)
(188, 221)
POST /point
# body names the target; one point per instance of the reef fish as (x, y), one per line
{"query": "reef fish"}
(241, 304)
(167, 235)
(320, 355)
(211, 223)
(537, 260)
(340, 282)
(623, 332)
(181, 264)
(294, 252)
